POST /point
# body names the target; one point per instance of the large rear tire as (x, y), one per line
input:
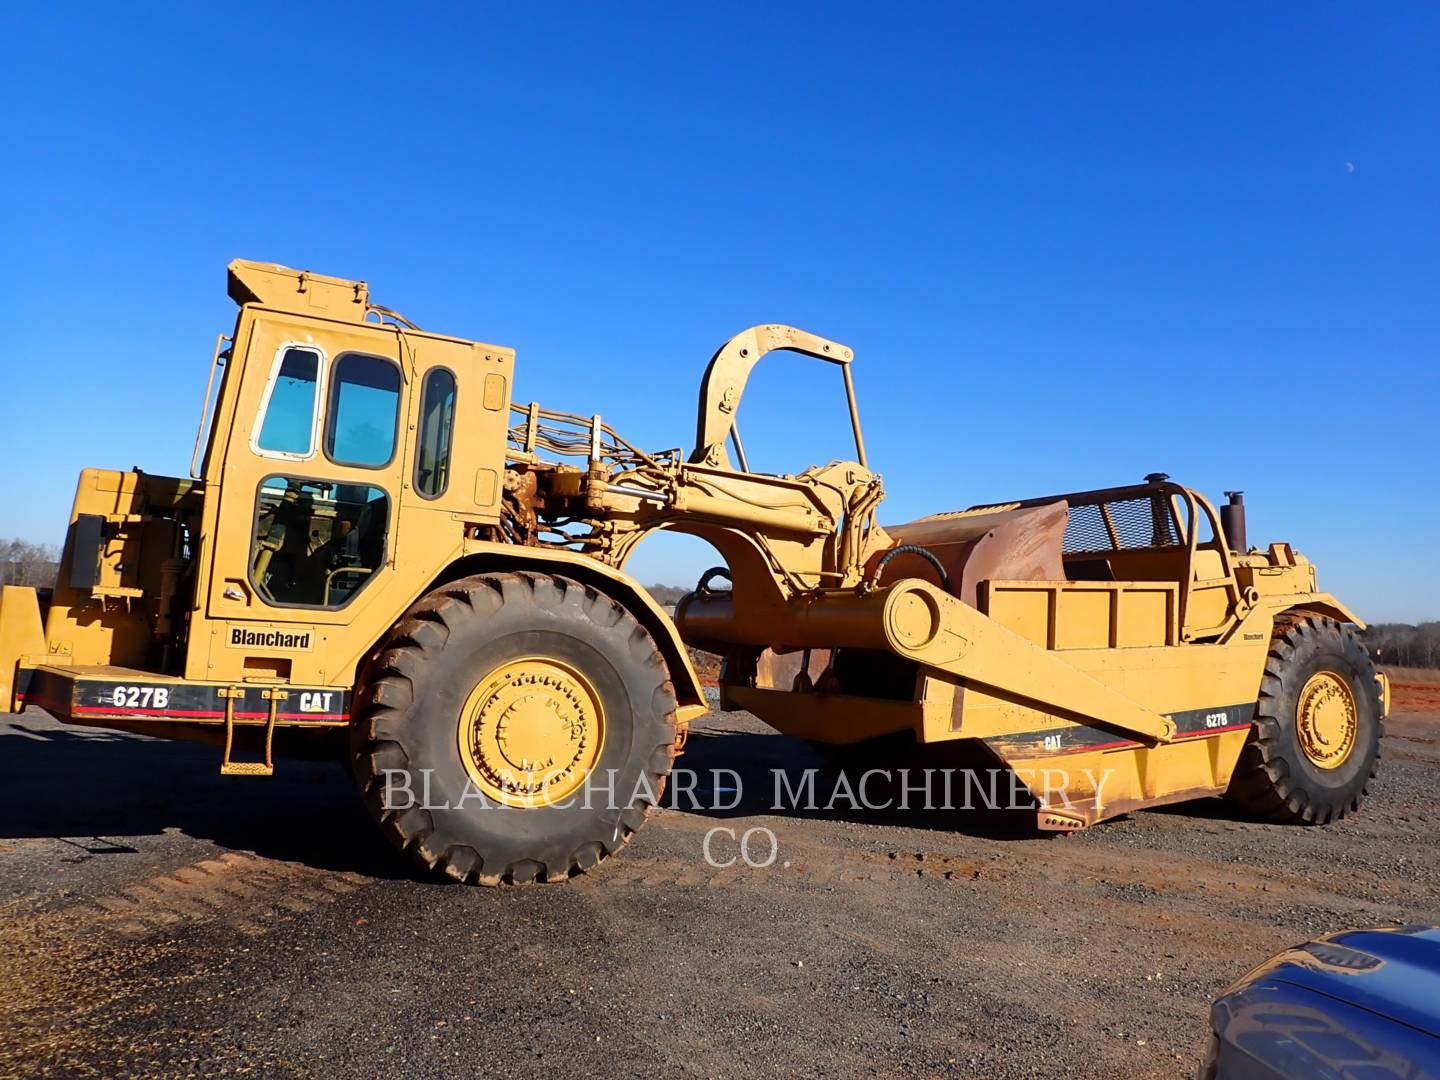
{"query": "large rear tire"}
(1315, 743)
(499, 717)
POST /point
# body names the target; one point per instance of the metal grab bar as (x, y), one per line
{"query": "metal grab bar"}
(220, 339)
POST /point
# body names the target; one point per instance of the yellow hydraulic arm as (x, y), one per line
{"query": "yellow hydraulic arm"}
(725, 378)
(934, 628)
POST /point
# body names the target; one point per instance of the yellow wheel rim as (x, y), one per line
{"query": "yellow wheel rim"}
(531, 731)
(1326, 720)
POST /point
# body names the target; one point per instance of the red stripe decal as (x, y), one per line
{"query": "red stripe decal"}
(112, 710)
(1211, 731)
(1178, 735)
(1119, 743)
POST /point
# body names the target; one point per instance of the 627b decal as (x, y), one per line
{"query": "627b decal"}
(140, 697)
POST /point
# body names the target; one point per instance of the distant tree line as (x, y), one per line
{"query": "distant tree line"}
(1403, 645)
(24, 563)
(667, 594)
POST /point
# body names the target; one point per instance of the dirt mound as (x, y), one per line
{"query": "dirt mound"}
(1414, 689)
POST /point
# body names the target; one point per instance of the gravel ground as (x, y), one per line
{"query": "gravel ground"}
(160, 921)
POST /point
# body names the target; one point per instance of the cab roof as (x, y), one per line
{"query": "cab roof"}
(274, 286)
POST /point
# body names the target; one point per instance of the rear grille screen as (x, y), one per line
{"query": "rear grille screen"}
(1137, 523)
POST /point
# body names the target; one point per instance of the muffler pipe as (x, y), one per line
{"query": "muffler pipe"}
(1232, 521)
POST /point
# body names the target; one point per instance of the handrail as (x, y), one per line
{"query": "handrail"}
(330, 577)
(205, 402)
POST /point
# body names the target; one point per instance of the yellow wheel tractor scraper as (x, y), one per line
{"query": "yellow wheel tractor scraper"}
(375, 543)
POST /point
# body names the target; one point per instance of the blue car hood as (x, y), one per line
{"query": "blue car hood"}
(1394, 973)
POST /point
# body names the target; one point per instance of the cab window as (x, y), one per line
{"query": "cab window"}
(437, 425)
(288, 426)
(317, 542)
(364, 411)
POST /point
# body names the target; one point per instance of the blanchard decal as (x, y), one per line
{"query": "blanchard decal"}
(290, 640)
(1190, 723)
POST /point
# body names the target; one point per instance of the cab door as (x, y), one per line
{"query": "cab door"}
(304, 537)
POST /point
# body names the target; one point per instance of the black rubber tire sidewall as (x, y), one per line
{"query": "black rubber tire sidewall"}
(548, 834)
(1274, 780)
(486, 625)
(1341, 785)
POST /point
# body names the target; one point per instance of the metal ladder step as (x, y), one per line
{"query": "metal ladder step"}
(230, 767)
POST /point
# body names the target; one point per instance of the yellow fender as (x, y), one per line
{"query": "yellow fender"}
(1322, 604)
(482, 556)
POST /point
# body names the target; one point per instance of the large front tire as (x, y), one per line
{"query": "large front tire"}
(514, 727)
(1315, 743)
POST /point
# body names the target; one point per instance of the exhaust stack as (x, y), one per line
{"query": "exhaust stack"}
(1232, 520)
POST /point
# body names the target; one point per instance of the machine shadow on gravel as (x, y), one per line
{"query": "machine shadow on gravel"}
(92, 789)
(758, 758)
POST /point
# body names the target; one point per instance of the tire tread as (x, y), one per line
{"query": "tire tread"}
(388, 690)
(1263, 782)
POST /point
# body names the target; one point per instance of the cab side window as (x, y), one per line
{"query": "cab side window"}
(288, 427)
(364, 411)
(437, 426)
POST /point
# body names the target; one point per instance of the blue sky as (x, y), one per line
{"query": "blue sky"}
(1071, 244)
